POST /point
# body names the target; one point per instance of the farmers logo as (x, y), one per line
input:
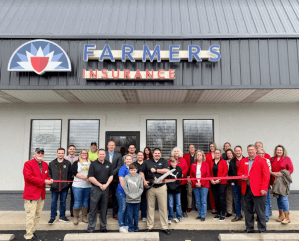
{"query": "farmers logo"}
(39, 56)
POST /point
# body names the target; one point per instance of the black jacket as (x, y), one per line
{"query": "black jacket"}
(60, 171)
(116, 163)
(232, 170)
(174, 187)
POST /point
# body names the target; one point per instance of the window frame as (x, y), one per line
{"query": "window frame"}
(213, 127)
(176, 128)
(68, 132)
(30, 139)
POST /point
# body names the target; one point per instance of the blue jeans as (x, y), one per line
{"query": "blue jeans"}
(63, 195)
(283, 203)
(201, 195)
(122, 210)
(81, 196)
(178, 209)
(268, 205)
(132, 214)
(237, 195)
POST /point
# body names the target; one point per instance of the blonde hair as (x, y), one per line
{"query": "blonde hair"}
(125, 157)
(176, 149)
(285, 153)
(203, 155)
(80, 160)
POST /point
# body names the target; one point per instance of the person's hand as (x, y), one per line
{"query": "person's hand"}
(84, 177)
(153, 170)
(183, 175)
(198, 184)
(278, 174)
(245, 179)
(233, 184)
(87, 179)
(146, 184)
(100, 185)
(49, 182)
(264, 193)
(213, 182)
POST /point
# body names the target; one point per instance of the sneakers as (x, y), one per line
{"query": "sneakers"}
(143, 219)
(64, 220)
(198, 218)
(203, 219)
(176, 220)
(169, 221)
(123, 230)
(185, 215)
(52, 221)
(35, 237)
(216, 217)
(180, 219)
(221, 219)
(228, 215)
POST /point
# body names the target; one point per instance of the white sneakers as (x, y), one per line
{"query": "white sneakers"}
(176, 220)
(123, 229)
(169, 221)
(144, 219)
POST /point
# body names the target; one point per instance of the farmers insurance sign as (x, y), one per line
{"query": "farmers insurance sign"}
(42, 56)
(127, 53)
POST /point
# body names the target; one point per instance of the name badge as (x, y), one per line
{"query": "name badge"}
(107, 166)
(246, 163)
(46, 171)
(64, 166)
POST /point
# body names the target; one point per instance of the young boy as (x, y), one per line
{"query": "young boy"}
(133, 187)
(174, 192)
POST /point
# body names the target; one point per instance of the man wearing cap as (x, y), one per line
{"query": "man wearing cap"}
(36, 177)
(92, 153)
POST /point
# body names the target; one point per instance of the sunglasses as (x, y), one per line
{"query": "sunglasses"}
(40, 152)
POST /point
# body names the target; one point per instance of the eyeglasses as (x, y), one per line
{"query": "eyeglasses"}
(83, 153)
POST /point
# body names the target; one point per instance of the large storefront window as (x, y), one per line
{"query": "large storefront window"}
(45, 134)
(199, 133)
(161, 134)
(82, 133)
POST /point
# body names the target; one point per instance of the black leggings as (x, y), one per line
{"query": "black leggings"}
(218, 191)
(184, 198)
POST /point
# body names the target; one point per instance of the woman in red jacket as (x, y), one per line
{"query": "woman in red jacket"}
(219, 169)
(200, 169)
(177, 154)
(281, 161)
(209, 159)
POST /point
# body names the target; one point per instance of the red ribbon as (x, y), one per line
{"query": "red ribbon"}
(187, 179)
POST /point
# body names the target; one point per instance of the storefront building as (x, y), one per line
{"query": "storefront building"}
(153, 73)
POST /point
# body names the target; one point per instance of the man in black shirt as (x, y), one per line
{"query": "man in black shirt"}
(151, 168)
(100, 175)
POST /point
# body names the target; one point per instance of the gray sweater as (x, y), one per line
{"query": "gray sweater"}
(133, 187)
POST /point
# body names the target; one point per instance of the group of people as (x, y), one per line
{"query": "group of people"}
(131, 177)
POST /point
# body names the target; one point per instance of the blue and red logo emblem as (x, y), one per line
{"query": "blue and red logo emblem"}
(39, 56)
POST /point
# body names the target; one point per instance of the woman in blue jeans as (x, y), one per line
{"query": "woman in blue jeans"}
(121, 196)
(200, 169)
(81, 187)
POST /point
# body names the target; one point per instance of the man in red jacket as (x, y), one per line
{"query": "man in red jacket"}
(36, 177)
(254, 188)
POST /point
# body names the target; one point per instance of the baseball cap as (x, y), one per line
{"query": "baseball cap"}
(93, 143)
(39, 149)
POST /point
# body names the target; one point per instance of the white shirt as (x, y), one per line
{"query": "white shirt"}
(83, 169)
(198, 172)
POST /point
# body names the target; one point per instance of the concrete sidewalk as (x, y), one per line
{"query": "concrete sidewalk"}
(15, 220)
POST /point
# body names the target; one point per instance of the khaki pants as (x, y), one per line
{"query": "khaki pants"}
(229, 199)
(161, 194)
(33, 210)
(189, 193)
